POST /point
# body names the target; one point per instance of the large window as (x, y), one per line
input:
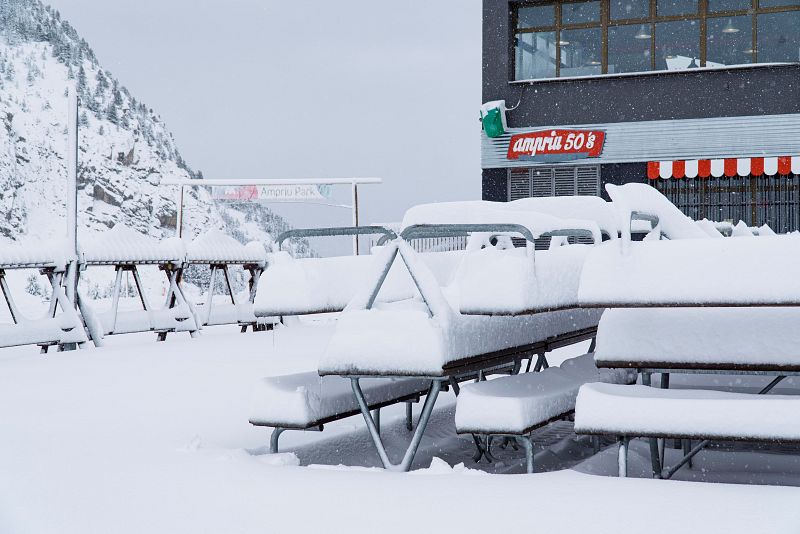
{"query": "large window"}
(585, 38)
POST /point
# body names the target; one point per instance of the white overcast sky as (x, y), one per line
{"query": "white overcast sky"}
(267, 89)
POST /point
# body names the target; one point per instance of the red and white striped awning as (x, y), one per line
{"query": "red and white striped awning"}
(729, 167)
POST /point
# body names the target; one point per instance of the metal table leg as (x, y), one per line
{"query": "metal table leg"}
(424, 417)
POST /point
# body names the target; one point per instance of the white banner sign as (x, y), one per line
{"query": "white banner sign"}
(272, 193)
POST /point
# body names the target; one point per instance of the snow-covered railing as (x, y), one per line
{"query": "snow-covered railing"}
(220, 251)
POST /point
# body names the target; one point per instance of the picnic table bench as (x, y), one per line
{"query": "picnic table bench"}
(514, 406)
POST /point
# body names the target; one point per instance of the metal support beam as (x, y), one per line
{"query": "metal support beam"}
(655, 459)
(408, 457)
(273, 439)
(622, 456)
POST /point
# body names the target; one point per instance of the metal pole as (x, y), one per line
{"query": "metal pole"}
(72, 192)
(72, 170)
(179, 215)
(354, 186)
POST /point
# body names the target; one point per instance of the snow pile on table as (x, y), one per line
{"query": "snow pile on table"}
(301, 399)
(33, 253)
(515, 404)
(582, 207)
(646, 411)
(703, 337)
(422, 337)
(633, 197)
(512, 281)
(486, 212)
(215, 246)
(315, 285)
(122, 244)
(693, 272)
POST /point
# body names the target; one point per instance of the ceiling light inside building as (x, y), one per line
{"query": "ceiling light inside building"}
(730, 28)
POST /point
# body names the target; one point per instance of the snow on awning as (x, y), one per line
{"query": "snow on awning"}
(729, 167)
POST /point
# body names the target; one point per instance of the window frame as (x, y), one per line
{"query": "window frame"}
(604, 23)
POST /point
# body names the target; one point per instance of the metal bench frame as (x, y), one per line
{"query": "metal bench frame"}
(175, 295)
(61, 295)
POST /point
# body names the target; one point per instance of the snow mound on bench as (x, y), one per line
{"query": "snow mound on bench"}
(515, 404)
(632, 197)
(693, 272)
(215, 246)
(701, 337)
(300, 400)
(493, 281)
(650, 412)
(122, 244)
(65, 328)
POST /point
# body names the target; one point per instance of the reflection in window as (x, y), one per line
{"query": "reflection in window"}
(581, 52)
(630, 9)
(728, 5)
(781, 42)
(670, 8)
(536, 16)
(580, 12)
(535, 55)
(629, 48)
(729, 41)
(677, 45)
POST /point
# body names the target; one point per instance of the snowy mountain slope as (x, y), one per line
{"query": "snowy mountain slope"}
(125, 148)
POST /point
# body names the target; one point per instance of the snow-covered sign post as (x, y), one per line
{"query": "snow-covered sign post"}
(315, 190)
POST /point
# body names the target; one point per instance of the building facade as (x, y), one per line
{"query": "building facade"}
(699, 98)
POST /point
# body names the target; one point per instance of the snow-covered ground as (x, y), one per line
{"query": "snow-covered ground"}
(140, 436)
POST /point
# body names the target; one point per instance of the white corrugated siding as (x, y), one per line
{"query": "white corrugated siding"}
(689, 139)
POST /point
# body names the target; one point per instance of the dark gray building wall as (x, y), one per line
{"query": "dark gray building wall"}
(621, 173)
(675, 95)
(495, 185)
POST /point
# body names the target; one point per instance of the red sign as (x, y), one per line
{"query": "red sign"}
(556, 145)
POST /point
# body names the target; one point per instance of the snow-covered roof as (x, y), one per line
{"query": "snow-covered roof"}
(215, 246)
(122, 244)
(693, 272)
